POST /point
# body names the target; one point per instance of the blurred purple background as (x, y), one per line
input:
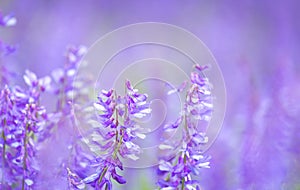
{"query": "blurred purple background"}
(256, 44)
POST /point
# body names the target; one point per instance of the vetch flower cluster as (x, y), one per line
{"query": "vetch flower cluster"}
(65, 87)
(23, 123)
(71, 96)
(177, 170)
(112, 137)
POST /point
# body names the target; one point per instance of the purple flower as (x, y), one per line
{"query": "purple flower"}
(23, 121)
(6, 49)
(178, 168)
(65, 87)
(75, 182)
(106, 170)
(113, 133)
(116, 116)
(178, 89)
(7, 20)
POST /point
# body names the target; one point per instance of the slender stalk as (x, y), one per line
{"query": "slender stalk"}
(182, 183)
(103, 173)
(3, 150)
(126, 106)
(185, 157)
(61, 101)
(183, 180)
(25, 155)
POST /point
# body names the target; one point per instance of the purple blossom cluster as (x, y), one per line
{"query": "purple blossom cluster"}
(71, 91)
(178, 169)
(23, 124)
(65, 87)
(112, 137)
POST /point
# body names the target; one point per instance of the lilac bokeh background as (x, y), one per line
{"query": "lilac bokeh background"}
(256, 44)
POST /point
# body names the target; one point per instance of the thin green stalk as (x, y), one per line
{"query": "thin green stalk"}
(183, 180)
(25, 154)
(103, 173)
(3, 149)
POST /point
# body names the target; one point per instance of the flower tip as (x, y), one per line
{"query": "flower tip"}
(30, 78)
(128, 84)
(201, 67)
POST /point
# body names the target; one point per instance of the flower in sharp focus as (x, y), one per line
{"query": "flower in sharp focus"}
(136, 102)
(113, 133)
(106, 170)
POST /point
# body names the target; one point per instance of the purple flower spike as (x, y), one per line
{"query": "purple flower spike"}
(113, 133)
(24, 123)
(177, 171)
(65, 88)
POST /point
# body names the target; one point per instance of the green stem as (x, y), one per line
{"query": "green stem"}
(3, 150)
(119, 134)
(182, 184)
(183, 180)
(25, 155)
(103, 173)
(185, 158)
(118, 147)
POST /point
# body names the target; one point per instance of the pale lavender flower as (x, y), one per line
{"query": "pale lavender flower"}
(7, 20)
(71, 98)
(6, 49)
(177, 170)
(64, 77)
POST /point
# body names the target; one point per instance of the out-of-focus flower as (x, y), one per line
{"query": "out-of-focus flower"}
(178, 89)
(6, 49)
(23, 121)
(67, 90)
(7, 20)
(177, 169)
